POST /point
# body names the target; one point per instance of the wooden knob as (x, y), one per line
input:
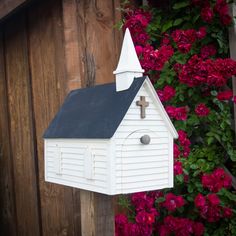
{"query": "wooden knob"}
(145, 139)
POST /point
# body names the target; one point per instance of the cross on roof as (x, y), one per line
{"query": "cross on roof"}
(143, 104)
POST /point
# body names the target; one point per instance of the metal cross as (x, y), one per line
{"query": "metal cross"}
(143, 104)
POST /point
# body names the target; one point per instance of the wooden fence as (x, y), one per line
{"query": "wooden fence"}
(46, 49)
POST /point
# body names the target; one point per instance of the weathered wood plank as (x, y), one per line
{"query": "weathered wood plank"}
(97, 214)
(7, 204)
(21, 127)
(48, 69)
(99, 49)
(7, 6)
(74, 62)
(96, 20)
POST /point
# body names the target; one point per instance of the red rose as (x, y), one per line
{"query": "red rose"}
(176, 151)
(178, 169)
(198, 229)
(201, 33)
(207, 14)
(221, 7)
(172, 202)
(208, 51)
(200, 201)
(227, 212)
(178, 113)
(225, 95)
(202, 110)
(226, 19)
(139, 50)
(213, 199)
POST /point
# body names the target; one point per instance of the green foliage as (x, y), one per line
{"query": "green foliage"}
(212, 136)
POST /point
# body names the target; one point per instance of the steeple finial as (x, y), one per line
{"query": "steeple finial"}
(129, 66)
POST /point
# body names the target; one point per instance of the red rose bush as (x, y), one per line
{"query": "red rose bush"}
(183, 48)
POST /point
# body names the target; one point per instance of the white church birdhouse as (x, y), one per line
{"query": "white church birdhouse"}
(112, 138)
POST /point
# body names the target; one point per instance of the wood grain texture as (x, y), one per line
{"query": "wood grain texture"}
(7, 6)
(97, 214)
(100, 41)
(99, 49)
(56, 47)
(21, 130)
(74, 64)
(48, 70)
(8, 220)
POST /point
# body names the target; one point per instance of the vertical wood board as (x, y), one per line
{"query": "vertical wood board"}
(21, 130)
(99, 39)
(98, 214)
(8, 222)
(47, 62)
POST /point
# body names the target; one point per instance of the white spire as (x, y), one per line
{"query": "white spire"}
(129, 66)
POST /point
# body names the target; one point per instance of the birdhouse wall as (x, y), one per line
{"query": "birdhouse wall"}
(78, 163)
(142, 167)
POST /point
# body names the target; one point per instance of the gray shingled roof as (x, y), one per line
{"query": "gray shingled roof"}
(94, 112)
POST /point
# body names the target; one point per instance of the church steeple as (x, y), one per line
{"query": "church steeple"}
(129, 66)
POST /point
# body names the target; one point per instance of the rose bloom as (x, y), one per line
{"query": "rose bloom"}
(226, 19)
(178, 113)
(176, 151)
(200, 201)
(144, 217)
(164, 230)
(225, 95)
(183, 139)
(227, 212)
(166, 94)
(208, 51)
(172, 202)
(184, 39)
(221, 7)
(198, 229)
(207, 14)
(178, 169)
(201, 33)
(139, 50)
(213, 199)
(217, 180)
(202, 110)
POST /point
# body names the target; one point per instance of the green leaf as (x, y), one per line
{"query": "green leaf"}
(190, 198)
(194, 166)
(180, 5)
(160, 199)
(232, 154)
(180, 178)
(167, 26)
(210, 140)
(190, 188)
(214, 93)
(178, 22)
(196, 173)
(195, 18)
(229, 195)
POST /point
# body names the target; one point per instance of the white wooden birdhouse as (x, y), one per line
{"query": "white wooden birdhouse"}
(112, 138)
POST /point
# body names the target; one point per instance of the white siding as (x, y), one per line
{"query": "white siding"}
(143, 167)
(72, 163)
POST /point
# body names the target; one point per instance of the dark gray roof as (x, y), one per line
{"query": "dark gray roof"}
(94, 112)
